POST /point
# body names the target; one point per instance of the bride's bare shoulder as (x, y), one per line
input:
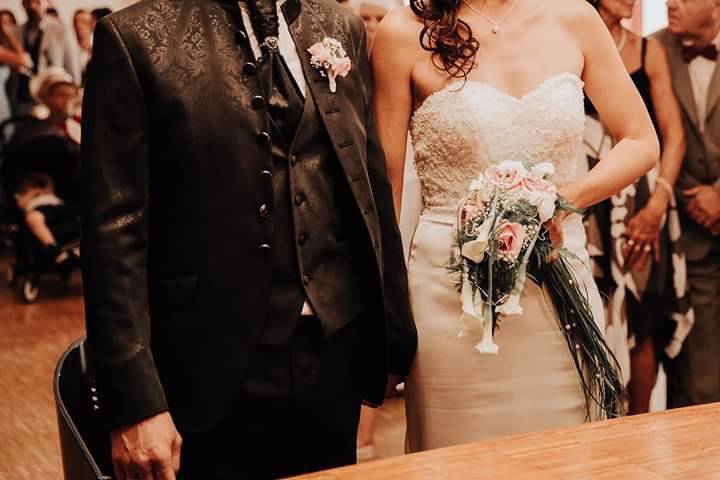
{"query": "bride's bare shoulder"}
(399, 29)
(575, 15)
(397, 41)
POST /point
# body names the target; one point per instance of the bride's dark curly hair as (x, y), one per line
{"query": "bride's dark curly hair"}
(449, 38)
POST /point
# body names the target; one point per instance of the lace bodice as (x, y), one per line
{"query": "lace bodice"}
(461, 130)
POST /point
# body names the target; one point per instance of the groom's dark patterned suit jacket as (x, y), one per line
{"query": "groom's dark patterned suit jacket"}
(175, 247)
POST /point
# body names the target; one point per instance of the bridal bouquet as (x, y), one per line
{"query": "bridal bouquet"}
(501, 239)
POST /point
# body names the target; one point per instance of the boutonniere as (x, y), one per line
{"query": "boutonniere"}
(330, 59)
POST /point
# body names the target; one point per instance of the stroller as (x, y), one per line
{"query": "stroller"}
(36, 147)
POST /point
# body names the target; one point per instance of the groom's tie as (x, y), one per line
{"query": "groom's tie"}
(280, 90)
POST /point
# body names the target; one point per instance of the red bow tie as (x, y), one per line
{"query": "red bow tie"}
(691, 52)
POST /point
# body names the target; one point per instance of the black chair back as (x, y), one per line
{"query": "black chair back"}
(84, 443)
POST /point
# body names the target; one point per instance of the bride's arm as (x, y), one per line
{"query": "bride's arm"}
(621, 110)
(393, 57)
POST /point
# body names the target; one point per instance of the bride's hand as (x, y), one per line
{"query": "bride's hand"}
(555, 230)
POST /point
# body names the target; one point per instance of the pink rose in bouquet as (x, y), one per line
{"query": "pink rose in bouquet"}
(538, 185)
(510, 237)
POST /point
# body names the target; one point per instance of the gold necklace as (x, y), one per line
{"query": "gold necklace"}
(495, 23)
(623, 40)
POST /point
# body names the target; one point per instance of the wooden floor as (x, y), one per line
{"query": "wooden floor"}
(668, 446)
(32, 337)
(678, 444)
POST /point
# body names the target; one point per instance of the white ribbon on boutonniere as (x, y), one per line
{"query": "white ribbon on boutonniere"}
(331, 60)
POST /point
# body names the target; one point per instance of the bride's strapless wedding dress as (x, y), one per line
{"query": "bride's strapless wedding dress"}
(454, 393)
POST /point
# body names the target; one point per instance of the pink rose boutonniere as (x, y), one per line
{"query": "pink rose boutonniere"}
(331, 60)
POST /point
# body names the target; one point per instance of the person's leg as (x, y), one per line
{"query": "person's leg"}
(366, 434)
(694, 376)
(252, 441)
(298, 413)
(37, 225)
(643, 374)
(327, 396)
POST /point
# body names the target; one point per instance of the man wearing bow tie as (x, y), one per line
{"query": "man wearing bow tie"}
(244, 277)
(692, 40)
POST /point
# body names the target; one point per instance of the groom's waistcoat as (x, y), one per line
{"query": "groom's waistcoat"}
(311, 206)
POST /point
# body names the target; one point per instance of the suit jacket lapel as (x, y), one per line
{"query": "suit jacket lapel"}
(682, 82)
(311, 26)
(713, 92)
(308, 29)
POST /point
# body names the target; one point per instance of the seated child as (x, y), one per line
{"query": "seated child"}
(59, 101)
(51, 222)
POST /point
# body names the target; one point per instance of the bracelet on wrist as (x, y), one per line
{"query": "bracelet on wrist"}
(665, 185)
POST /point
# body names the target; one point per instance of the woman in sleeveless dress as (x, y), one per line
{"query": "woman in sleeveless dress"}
(639, 266)
(476, 83)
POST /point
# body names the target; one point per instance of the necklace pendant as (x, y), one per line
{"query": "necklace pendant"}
(495, 29)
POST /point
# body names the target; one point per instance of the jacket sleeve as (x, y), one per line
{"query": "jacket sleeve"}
(401, 331)
(115, 187)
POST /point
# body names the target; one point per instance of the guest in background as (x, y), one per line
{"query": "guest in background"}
(83, 25)
(637, 261)
(52, 11)
(8, 20)
(59, 100)
(692, 40)
(98, 14)
(51, 222)
(12, 58)
(49, 44)
(372, 12)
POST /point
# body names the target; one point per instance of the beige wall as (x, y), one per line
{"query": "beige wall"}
(653, 16)
(66, 7)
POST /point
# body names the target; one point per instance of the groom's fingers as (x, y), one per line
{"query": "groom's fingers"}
(165, 472)
(176, 449)
(119, 471)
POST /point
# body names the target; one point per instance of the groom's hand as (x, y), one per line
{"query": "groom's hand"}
(149, 450)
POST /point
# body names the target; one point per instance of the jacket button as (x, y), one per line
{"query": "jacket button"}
(306, 280)
(299, 199)
(249, 69)
(262, 138)
(264, 210)
(265, 247)
(293, 160)
(240, 37)
(302, 239)
(265, 176)
(257, 102)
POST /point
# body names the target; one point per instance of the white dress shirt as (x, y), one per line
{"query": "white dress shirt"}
(701, 73)
(286, 44)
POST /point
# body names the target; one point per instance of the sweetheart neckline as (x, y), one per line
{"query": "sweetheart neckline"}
(518, 100)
